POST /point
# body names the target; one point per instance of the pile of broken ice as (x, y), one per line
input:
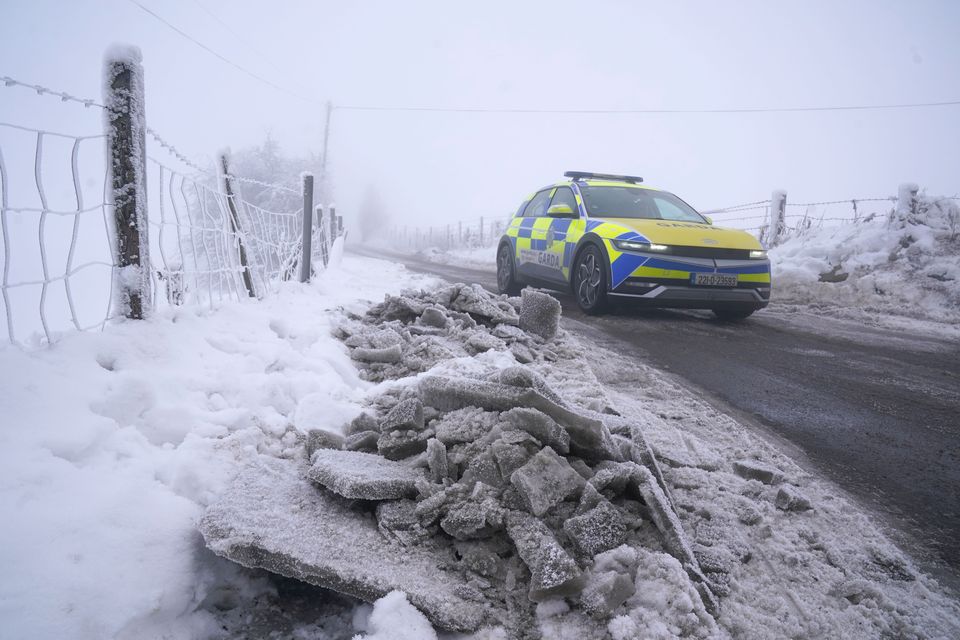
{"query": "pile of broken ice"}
(476, 496)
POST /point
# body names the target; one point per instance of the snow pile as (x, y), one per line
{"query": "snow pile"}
(113, 444)
(897, 264)
(490, 494)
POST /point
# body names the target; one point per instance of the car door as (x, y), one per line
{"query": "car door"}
(564, 214)
(532, 236)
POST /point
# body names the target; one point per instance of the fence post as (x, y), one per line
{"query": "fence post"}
(322, 236)
(306, 242)
(481, 231)
(333, 224)
(126, 139)
(907, 201)
(778, 221)
(235, 226)
(460, 233)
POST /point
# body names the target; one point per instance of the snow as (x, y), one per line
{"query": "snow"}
(112, 445)
(906, 263)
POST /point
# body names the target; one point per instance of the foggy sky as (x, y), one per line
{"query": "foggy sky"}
(556, 55)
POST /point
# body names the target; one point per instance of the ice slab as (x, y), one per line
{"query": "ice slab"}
(273, 518)
(363, 476)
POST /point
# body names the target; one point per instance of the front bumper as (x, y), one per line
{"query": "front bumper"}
(679, 294)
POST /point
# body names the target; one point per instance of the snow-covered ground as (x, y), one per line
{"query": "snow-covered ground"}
(881, 268)
(113, 444)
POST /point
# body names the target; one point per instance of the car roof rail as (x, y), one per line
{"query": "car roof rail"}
(583, 175)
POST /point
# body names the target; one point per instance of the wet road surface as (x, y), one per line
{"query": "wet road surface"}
(877, 411)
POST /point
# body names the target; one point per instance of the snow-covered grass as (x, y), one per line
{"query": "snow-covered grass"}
(888, 265)
(112, 445)
(477, 257)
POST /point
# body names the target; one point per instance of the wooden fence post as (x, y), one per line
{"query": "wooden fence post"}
(333, 224)
(481, 231)
(306, 242)
(778, 220)
(126, 140)
(235, 226)
(322, 237)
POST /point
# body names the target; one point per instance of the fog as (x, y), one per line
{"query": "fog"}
(432, 167)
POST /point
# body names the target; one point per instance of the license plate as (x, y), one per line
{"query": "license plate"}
(715, 279)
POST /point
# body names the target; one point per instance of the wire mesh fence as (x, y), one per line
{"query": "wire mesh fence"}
(205, 243)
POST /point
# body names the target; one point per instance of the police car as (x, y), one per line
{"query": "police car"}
(605, 236)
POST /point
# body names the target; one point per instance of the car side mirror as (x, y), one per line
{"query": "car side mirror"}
(708, 219)
(561, 211)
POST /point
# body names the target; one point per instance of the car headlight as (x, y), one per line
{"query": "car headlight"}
(633, 245)
(758, 254)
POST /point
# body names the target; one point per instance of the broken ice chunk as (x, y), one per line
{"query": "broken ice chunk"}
(363, 422)
(540, 426)
(437, 460)
(597, 530)
(434, 317)
(553, 571)
(385, 355)
(322, 439)
(789, 499)
(545, 480)
(362, 441)
(363, 476)
(752, 470)
(539, 313)
(397, 445)
(405, 415)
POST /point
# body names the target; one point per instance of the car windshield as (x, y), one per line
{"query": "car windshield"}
(631, 202)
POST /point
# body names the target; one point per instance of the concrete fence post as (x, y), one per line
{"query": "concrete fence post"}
(306, 242)
(126, 129)
(778, 220)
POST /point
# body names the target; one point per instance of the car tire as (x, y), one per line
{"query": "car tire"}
(506, 273)
(589, 281)
(740, 312)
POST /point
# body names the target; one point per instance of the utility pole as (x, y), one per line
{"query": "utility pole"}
(324, 192)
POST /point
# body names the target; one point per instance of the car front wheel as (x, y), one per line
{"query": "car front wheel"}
(590, 281)
(506, 278)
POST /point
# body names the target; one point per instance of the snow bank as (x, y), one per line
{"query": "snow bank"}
(112, 445)
(907, 265)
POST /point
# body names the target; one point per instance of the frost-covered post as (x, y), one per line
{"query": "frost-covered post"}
(126, 129)
(778, 220)
(481, 231)
(235, 226)
(907, 201)
(333, 224)
(306, 242)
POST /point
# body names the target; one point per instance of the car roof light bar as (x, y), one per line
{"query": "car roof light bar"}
(583, 175)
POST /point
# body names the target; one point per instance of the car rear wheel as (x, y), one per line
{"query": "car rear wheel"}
(590, 281)
(506, 278)
(734, 313)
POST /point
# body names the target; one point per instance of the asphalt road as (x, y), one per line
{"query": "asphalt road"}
(877, 411)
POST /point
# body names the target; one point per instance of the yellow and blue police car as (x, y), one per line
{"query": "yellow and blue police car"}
(603, 236)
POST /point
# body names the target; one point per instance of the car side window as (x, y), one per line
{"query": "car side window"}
(564, 195)
(538, 205)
